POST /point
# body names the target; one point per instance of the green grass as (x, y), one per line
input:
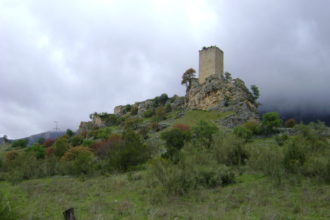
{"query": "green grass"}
(193, 117)
(127, 197)
(3, 149)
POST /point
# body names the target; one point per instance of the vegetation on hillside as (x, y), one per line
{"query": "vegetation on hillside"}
(140, 169)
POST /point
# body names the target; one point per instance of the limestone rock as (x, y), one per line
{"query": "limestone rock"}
(225, 96)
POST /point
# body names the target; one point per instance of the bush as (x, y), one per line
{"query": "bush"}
(61, 145)
(87, 143)
(175, 139)
(268, 160)
(49, 142)
(79, 160)
(128, 154)
(132, 123)
(203, 133)
(243, 132)
(295, 156)
(187, 175)
(230, 150)
(102, 148)
(76, 140)
(6, 210)
(111, 120)
(290, 123)
(37, 150)
(11, 155)
(69, 133)
(270, 122)
(253, 126)
(149, 113)
(281, 139)
(160, 113)
(134, 110)
(103, 133)
(20, 143)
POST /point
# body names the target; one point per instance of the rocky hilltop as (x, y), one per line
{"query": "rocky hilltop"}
(225, 95)
(214, 90)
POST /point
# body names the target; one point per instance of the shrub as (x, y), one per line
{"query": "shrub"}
(174, 141)
(103, 133)
(74, 152)
(149, 113)
(102, 148)
(61, 146)
(129, 154)
(281, 139)
(69, 133)
(20, 143)
(270, 122)
(295, 156)
(132, 123)
(230, 150)
(243, 132)
(87, 143)
(49, 151)
(203, 133)
(187, 175)
(168, 108)
(37, 150)
(112, 120)
(79, 160)
(49, 142)
(160, 113)
(6, 211)
(182, 127)
(268, 160)
(11, 155)
(290, 123)
(76, 140)
(134, 110)
(41, 140)
(252, 126)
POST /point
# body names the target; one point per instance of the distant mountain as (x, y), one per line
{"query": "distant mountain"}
(46, 135)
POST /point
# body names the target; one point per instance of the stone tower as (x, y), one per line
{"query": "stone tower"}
(210, 63)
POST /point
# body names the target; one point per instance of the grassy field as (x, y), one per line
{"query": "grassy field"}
(127, 197)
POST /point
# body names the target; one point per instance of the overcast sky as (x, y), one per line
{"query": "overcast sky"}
(64, 59)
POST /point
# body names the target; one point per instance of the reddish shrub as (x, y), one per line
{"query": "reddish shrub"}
(290, 123)
(49, 142)
(11, 155)
(74, 152)
(102, 148)
(50, 151)
(183, 127)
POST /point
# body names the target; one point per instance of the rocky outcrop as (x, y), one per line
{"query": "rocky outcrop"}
(176, 103)
(229, 95)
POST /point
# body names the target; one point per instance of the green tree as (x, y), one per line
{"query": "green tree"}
(228, 76)
(37, 150)
(174, 141)
(187, 76)
(203, 133)
(255, 92)
(20, 143)
(69, 132)
(130, 153)
(243, 132)
(271, 121)
(61, 146)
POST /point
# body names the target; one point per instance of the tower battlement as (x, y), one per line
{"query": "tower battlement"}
(210, 63)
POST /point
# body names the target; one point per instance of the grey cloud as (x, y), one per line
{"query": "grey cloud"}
(61, 60)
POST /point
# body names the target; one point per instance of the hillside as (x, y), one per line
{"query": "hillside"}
(206, 155)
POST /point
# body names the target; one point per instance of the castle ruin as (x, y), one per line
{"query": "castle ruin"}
(210, 63)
